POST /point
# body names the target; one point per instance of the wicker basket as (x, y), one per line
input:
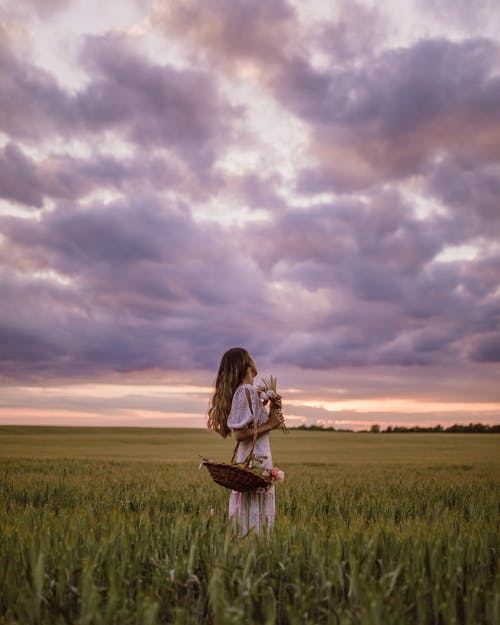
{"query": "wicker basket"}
(237, 476)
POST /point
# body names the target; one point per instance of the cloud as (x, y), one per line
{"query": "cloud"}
(18, 177)
(257, 190)
(129, 285)
(344, 284)
(149, 105)
(343, 233)
(129, 270)
(477, 17)
(43, 8)
(32, 103)
(154, 105)
(374, 114)
(238, 34)
(469, 187)
(355, 32)
(60, 176)
(487, 348)
(377, 293)
(384, 119)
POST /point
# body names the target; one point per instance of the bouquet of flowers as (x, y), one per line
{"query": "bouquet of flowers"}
(270, 475)
(277, 474)
(268, 393)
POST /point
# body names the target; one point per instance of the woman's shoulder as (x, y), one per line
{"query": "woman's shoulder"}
(241, 413)
(244, 387)
(245, 390)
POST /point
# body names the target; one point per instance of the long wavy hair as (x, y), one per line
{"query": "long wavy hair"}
(232, 371)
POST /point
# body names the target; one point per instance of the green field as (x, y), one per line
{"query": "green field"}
(114, 525)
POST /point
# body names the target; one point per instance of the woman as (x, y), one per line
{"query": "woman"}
(234, 406)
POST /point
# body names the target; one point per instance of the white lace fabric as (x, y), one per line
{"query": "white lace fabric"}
(254, 510)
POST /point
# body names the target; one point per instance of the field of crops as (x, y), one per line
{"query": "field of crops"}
(120, 527)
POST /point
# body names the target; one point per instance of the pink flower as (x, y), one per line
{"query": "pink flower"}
(277, 474)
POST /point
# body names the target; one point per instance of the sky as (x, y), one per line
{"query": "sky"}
(317, 182)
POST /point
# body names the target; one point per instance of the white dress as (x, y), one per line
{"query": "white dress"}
(254, 510)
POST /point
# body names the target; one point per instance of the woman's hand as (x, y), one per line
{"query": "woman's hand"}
(275, 418)
(276, 402)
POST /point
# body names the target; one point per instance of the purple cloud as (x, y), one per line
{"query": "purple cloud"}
(18, 177)
(385, 119)
(44, 8)
(471, 17)
(60, 176)
(390, 302)
(32, 103)
(470, 188)
(140, 270)
(229, 32)
(150, 280)
(487, 348)
(155, 105)
(152, 105)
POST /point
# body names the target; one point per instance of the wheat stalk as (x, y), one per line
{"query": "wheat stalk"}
(271, 383)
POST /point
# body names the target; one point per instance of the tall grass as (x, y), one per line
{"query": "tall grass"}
(107, 542)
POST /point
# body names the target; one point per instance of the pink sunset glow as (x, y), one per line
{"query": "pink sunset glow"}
(317, 182)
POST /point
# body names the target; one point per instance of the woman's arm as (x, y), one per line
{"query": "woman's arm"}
(274, 421)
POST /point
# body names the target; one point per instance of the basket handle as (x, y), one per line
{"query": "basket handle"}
(254, 421)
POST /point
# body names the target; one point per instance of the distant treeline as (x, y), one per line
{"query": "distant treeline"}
(471, 428)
